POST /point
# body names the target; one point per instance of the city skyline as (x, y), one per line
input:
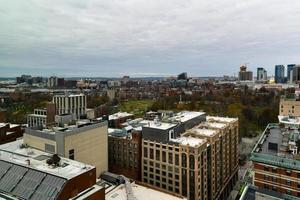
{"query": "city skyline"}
(137, 38)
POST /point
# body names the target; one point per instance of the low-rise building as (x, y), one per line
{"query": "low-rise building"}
(276, 161)
(124, 150)
(42, 117)
(10, 132)
(289, 105)
(85, 142)
(30, 174)
(115, 120)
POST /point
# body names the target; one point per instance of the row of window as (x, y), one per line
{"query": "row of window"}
(275, 170)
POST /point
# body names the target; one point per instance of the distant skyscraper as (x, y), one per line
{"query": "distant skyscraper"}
(182, 76)
(245, 75)
(296, 74)
(261, 74)
(290, 68)
(279, 73)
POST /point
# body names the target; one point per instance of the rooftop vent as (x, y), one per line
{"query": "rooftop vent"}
(54, 160)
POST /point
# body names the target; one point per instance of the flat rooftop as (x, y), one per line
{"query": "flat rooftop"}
(278, 146)
(189, 140)
(119, 115)
(289, 120)
(140, 193)
(81, 125)
(158, 125)
(217, 125)
(68, 95)
(13, 153)
(10, 125)
(186, 116)
(203, 132)
(221, 119)
(277, 141)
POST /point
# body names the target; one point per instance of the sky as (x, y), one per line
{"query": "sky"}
(112, 38)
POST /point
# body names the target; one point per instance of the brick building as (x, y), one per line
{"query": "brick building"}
(10, 132)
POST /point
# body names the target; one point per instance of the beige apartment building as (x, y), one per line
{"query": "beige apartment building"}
(222, 136)
(179, 167)
(289, 106)
(84, 142)
(199, 162)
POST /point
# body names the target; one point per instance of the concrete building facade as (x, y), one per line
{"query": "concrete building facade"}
(245, 75)
(70, 104)
(289, 106)
(86, 142)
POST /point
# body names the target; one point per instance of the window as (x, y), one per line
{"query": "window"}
(288, 172)
(157, 155)
(274, 188)
(164, 159)
(274, 170)
(145, 152)
(266, 186)
(72, 154)
(266, 168)
(170, 158)
(151, 153)
(288, 182)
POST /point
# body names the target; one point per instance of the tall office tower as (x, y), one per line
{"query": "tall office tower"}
(84, 142)
(279, 74)
(296, 74)
(70, 104)
(261, 74)
(290, 68)
(245, 75)
(55, 82)
(188, 159)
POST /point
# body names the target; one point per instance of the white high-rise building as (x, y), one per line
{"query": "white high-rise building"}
(70, 104)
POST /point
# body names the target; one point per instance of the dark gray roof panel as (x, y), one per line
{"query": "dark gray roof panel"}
(27, 183)
(12, 177)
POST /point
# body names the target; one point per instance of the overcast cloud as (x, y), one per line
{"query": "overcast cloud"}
(146, 37)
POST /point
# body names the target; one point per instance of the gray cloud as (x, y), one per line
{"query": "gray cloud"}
(109, 38)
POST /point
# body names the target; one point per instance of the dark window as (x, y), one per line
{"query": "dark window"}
(72, 154)
(288, 172)
(266, 186)
(176, 159)
(157, 154)
(164, 159)
(151, 153)
(274, 170)
(266, 168)
(145, 152)
(170, 158)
